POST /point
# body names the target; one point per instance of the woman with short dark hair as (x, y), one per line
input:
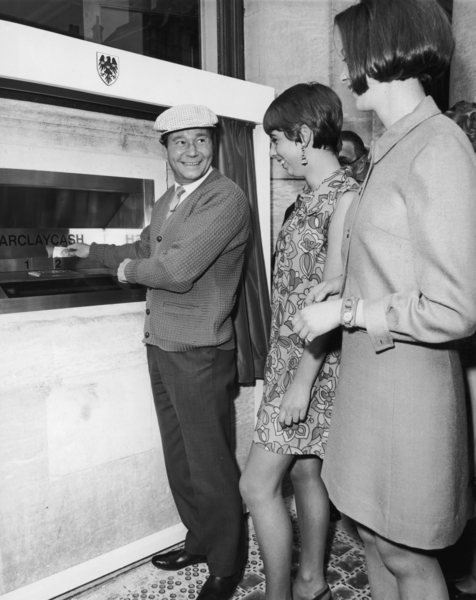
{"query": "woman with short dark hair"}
(304, 125)
(396, 460)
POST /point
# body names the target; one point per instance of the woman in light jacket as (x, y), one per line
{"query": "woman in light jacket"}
(396, 459)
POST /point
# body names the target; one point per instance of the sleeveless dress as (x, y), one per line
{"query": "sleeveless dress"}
(301, 250)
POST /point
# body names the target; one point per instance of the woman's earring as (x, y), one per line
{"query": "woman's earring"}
(303, 156)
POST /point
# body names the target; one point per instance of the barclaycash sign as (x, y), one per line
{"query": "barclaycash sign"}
(38, 239)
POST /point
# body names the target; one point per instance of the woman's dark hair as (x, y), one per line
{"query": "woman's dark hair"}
(394, 39)
(311, 104)
(463, 113)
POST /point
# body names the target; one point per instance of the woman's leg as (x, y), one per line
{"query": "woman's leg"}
(383, 585)
(417, 573)
(312, 504)
(260, 487)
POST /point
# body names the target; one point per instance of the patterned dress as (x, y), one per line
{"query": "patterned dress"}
(301, 251)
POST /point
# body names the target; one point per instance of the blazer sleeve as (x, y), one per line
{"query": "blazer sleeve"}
(218, 225)
(440, 198)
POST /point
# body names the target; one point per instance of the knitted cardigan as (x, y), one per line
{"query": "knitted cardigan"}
(191, 263)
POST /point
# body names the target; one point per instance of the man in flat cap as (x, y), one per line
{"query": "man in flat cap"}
(190, 257)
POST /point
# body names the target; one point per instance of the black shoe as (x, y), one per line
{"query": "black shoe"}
(176, 560)
(220, 588)
(456, 594)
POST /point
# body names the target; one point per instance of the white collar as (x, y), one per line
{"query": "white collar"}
(190, 187)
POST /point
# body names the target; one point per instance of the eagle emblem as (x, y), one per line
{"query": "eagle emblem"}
(108, 67)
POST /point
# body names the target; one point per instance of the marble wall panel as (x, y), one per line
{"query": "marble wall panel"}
(34, 124)
(99, 418)
(64, 521)
(463, 68)
(80, 453)
(287, 42)
(53, 138)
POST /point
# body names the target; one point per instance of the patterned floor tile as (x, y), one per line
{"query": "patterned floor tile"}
(345, 572)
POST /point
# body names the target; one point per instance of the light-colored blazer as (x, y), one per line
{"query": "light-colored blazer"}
(397, 455)
(415, 260)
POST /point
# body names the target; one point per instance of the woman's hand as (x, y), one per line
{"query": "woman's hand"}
(323, 290)
(317, 319)
(294, 405)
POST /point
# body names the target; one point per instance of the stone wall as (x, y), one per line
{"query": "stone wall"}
(463, 69)
(289, 42)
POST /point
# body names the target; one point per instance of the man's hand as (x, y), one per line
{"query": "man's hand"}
(294, 405)
(120, 271)
(317, 319)
(323, 290)
(79, 250)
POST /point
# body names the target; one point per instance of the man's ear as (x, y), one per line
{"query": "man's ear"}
(361, 163)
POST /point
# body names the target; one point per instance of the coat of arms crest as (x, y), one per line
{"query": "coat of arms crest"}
(108, 67)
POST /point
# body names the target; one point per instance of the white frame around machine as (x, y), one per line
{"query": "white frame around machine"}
(40, 57)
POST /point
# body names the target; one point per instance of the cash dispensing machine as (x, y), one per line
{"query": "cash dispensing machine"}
(41, 213)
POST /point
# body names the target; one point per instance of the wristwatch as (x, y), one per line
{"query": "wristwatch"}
(348, 312)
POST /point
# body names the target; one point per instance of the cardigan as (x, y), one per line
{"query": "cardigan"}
(191, 264)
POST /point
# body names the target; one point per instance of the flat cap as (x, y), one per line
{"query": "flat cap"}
(185, 116)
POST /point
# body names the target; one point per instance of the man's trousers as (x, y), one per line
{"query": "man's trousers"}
(193, 393)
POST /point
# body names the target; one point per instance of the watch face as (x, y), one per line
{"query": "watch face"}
(347, 317)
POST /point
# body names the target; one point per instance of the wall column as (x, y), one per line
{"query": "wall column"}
(463, 68)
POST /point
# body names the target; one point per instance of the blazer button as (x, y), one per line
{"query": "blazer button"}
(159, 238)
(147, 311)
(147, 334)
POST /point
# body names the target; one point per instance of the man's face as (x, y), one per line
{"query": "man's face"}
(190, 154)
(347, 157)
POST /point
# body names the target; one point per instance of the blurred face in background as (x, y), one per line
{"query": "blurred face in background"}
(348, 158)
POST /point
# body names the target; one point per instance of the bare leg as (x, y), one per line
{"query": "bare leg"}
(312, 503)
(383, 585)
(260, 487)
(417, 573)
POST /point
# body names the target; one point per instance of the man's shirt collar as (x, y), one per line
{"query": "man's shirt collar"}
(191, 187)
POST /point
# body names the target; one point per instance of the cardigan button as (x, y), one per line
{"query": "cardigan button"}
(147, 311)
(147, 334)
(159, 238)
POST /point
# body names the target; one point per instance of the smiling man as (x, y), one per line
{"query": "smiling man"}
(190, 257)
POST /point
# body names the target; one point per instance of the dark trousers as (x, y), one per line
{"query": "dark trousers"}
(193, 398)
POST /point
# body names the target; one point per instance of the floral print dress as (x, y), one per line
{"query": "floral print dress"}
(301, 251)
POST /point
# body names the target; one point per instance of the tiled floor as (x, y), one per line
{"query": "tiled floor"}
(345, 573)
